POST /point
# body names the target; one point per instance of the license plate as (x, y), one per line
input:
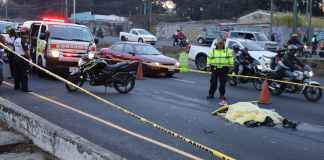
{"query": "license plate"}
(171, 70)
(73, 69)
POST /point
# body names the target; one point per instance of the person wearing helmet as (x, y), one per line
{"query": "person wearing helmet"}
(289, 63)
(178, 36)
(236, 54)
(22, 67)
(244, 60)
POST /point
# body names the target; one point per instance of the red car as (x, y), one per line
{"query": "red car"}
(154, 62)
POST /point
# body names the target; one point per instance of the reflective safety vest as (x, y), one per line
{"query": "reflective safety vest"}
(220, 58)
(183, 60)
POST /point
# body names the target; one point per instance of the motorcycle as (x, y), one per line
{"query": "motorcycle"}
(99, 73)
(254, 70)
(304, 76)
(181, 42)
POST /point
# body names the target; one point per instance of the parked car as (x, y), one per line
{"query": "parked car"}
(208, 35)
(138, 35)
(5, 24)
(153, 59)
(258, 37)
(199, 53)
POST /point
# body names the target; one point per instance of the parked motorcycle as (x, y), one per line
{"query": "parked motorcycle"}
(99, 73)
(304, 76)
(249, 70)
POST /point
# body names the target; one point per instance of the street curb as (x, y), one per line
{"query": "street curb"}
(51, 138)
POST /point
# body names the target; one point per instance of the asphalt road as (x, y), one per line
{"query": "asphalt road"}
(179, 104)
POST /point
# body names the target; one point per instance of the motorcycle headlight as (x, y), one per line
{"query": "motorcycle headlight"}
(309, 74)
(91, 55)
(55, 53)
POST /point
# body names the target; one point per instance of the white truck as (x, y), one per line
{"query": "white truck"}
(199, 53)
(138, 35)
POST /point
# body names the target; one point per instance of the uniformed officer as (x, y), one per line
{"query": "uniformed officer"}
(22, 67)
(219, 60)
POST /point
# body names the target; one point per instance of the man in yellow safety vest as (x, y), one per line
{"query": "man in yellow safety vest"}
(219, 60)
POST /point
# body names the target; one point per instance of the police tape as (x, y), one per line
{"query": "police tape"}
(211, 151)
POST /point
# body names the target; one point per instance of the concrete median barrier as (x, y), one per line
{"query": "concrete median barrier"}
(51, 138)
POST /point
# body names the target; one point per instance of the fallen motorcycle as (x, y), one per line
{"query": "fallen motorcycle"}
(99, 73)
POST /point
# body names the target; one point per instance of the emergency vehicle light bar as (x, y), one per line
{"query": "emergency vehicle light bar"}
(54, 20)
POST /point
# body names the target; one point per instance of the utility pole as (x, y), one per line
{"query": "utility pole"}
(6, 9)
(295, 16)
(145, 13)
(271, 17)
(74, 10)
(149, 18)
(66, 8)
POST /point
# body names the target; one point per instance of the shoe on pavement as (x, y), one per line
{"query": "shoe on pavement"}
(27, 91)
(210, 97)
(223, 102)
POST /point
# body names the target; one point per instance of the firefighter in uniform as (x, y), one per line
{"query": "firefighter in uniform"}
(22, 67)
(219, 60)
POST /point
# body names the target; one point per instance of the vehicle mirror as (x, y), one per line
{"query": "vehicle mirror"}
(44, 35)
(96, 40)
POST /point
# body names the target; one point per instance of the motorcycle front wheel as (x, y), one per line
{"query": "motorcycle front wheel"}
(233, 81)
(125, 87)
(313, 94)
(257, 84)
(75, 80)
(274, 90)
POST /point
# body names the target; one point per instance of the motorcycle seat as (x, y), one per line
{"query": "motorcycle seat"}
(116, 66)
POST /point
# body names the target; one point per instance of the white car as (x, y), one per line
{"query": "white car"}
(138, 35)
(199, 53)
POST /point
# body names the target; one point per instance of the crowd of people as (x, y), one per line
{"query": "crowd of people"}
(17, 41)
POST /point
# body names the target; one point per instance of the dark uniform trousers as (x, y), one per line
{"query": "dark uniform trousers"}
(21, 69)
(218, 74)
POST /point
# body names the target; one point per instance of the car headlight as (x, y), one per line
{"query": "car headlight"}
(91, 55)
(156, 63)
(177, 64)
(55, 53)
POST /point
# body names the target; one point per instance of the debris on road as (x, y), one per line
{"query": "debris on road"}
(251, 115)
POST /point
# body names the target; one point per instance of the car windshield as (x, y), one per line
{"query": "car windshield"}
(3, 27)
(261, 37)
(251, 46)
(146, 50)
(70, 33)
(143, 32)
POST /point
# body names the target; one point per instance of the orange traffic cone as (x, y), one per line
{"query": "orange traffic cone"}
(264, 95)
(139, 73)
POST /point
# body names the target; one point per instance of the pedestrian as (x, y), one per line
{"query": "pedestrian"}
(183, 60)
(2, 51)
(219, 60)
(10, 42)
(22, 67)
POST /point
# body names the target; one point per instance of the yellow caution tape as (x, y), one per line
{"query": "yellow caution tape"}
(212, 151)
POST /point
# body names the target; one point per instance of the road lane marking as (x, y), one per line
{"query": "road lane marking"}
(110, 124)
(184, 81)
(167, 131)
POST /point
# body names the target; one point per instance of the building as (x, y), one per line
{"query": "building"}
(102, 25)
